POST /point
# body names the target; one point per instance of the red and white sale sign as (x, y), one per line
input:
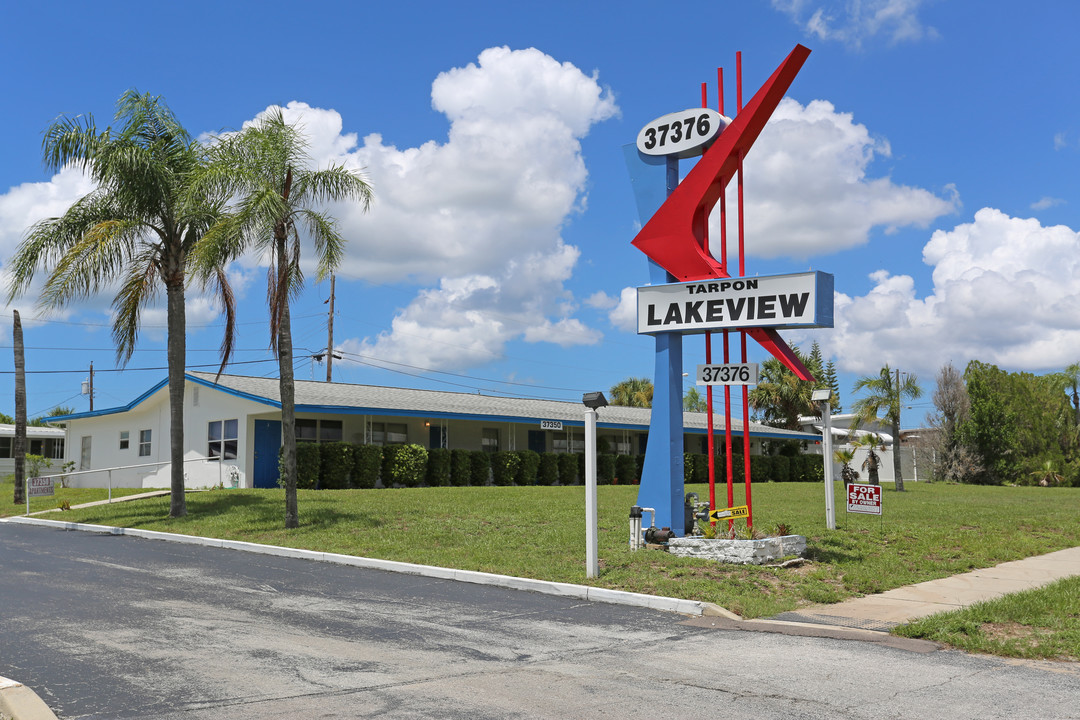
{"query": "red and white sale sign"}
(864, 499)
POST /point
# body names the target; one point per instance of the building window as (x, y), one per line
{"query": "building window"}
(389, 433)
(53, 448)
(330, 431)
(567, 442)
(124, 439)
(222, 439)
(5, 447)
(489, 441)
(308, 430)
(144, 443)
(616, 445)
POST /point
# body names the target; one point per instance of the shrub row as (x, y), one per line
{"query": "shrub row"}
(763, 468)
(343, 465)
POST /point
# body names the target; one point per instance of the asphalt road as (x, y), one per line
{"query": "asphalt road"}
(106, 626)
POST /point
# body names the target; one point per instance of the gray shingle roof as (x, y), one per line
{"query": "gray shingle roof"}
(377, 400)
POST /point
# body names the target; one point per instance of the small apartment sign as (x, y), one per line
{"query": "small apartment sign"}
(39, 486)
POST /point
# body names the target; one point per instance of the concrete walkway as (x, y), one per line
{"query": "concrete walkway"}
(886, 610)
(122, 498)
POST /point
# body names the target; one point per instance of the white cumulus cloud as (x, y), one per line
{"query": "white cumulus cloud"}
(1004, 292)
(808, 188)
(855, 24)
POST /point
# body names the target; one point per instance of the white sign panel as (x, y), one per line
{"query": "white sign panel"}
(730, 374)
(39, 486)
(802, 300)
(682, 134)
(551, 424)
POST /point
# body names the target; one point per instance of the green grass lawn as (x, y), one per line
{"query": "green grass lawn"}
(928, 532)
(1043, 623)
(73, 496)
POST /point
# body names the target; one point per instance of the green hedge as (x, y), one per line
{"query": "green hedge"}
(480, 470)
(568, 469)
(626, 470)
(504, 467)
(404, 465)
(460, 467)
(367, 462)
(605, 469)
(307, 465)
(438, 467)
(335, 465)
(548, 473)
(528, 466)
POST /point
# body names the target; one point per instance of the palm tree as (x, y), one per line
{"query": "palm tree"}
(871, 442)
(693, 401)
(138, 227)
(19, 449)
(782, 397)
(633, 392)
(265, 167)
(884, 398)
(844, 456)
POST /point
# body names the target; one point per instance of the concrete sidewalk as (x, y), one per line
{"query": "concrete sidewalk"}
(122, 498)
(886, 610)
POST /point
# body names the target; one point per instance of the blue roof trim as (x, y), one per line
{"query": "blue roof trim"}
(112, 411)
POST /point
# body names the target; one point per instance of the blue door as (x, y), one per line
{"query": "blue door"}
(267, 444)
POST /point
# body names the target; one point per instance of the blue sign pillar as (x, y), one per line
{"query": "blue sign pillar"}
(653, 179)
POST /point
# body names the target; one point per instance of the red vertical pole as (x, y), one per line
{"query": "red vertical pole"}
(727, 337)
(742, 333)
(708, 358)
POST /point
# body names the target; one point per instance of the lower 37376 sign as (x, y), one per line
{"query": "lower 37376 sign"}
(864, 499)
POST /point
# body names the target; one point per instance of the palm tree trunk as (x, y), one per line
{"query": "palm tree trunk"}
(896, 457)
(177, 354)
(286, 388)
(19, 450)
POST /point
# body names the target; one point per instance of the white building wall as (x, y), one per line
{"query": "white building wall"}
(201, 405)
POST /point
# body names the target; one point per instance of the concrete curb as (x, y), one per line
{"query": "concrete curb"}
(21, 703)
(582, 592)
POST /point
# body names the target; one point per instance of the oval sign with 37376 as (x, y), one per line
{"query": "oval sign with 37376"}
(683, 134)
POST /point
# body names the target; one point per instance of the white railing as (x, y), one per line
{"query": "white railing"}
(109, 470)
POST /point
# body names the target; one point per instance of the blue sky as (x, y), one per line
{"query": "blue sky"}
(925, 155)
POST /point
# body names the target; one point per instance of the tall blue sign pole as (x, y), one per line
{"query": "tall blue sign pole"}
(653, 180)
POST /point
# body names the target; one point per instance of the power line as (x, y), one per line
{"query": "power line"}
(141, 369)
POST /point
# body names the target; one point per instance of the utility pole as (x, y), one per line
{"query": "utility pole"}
(898, 478)
(330, 334)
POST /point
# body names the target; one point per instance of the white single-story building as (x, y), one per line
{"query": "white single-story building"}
(842, 435)
(48, 442)
(232, 428)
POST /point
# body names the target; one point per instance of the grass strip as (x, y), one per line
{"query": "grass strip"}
(1042, 623)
